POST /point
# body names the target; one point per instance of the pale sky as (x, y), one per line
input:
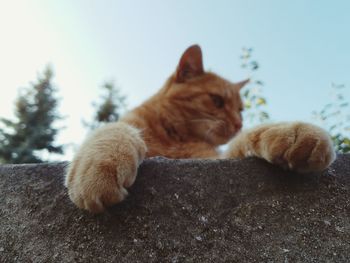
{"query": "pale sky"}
(302, 47)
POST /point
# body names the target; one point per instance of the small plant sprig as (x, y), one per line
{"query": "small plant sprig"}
(335, 117)
(254, 102)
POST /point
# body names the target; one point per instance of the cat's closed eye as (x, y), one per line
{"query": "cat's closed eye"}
(218, 101)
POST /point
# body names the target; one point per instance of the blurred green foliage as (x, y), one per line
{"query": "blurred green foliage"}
(109, 107)
(254, 102)
(335, 117)
(25, 139)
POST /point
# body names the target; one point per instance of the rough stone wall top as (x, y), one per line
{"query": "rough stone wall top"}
(181, 211)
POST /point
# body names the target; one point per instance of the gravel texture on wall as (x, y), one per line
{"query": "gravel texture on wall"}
(181, 211)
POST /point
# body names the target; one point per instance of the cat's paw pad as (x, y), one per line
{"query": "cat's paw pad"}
(300, 147)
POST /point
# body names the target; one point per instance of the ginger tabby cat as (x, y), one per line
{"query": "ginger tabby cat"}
(190, 116)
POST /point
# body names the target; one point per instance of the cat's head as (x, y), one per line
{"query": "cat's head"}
(210, 106)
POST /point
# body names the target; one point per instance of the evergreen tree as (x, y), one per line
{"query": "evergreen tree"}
(23, 140)
(109, 108)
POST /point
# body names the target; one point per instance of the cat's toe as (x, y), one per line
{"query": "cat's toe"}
(94, 200)
(94, 188)
(312, 150)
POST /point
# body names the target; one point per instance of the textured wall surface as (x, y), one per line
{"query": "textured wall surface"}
(181, 211)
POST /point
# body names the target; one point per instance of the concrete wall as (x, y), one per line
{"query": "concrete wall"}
(181, 211)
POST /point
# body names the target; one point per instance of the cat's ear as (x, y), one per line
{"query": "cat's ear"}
(241, 84)
(190, 65)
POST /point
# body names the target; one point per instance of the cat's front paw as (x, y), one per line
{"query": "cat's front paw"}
(104, 167)
(301, 147)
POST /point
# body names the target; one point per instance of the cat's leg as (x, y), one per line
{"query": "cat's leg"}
(105, 165)
(296, 146)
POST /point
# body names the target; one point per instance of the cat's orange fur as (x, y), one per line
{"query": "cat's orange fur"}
(194, 113)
